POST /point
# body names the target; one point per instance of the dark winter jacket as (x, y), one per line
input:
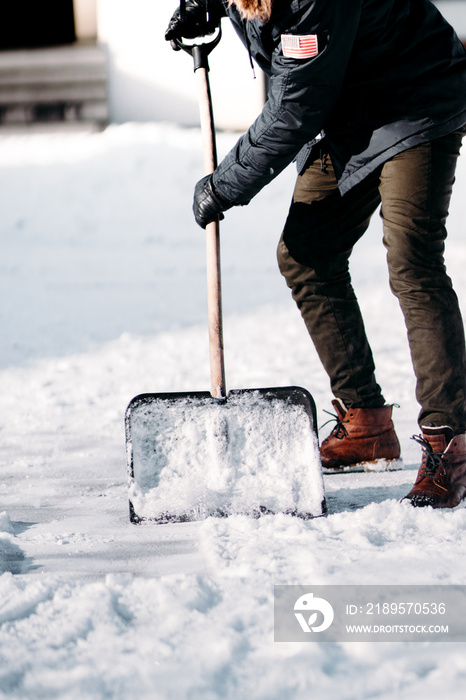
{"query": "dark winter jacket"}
(388, 75)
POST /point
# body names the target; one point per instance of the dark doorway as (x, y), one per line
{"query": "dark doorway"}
(28, 24)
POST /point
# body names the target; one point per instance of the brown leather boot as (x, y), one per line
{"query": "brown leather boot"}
(363, 438)
(441, 480)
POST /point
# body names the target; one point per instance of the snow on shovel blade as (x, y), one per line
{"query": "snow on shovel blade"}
(191, 456)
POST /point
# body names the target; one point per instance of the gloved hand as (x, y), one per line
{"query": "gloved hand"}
(198, 20)
(208, 205)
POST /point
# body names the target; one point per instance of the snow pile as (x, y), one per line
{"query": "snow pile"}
(193, 456)
(211, 634)
(103, 298)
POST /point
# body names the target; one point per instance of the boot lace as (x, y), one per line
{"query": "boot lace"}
(434, 462)
(338, 431)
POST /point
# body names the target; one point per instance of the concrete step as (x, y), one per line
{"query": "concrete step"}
(54, 84)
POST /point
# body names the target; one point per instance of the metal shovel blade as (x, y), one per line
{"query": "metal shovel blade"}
(191, 456)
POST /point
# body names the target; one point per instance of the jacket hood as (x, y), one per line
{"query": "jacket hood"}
(253, 9)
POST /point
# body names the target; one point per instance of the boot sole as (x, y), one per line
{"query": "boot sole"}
(422, 500)
(376, 465)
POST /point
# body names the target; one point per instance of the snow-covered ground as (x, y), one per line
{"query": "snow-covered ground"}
(101, 298)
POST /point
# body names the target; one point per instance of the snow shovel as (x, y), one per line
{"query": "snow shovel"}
(197, 454)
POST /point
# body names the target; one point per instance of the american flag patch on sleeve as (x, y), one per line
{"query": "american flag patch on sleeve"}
(296, 46)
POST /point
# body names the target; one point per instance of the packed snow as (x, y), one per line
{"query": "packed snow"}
(103, 298)
(192, 455)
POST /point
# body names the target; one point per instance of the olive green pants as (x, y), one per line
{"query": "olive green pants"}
(322, 227)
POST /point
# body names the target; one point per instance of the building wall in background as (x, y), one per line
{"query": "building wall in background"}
(148, 81)
(85, 19)
(454, 12)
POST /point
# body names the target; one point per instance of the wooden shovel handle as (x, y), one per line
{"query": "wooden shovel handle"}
(214, 284)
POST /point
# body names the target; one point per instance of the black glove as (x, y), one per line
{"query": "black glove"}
(201, 17)
(208, 205)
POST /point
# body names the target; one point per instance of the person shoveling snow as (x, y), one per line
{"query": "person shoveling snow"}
(370, 99)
